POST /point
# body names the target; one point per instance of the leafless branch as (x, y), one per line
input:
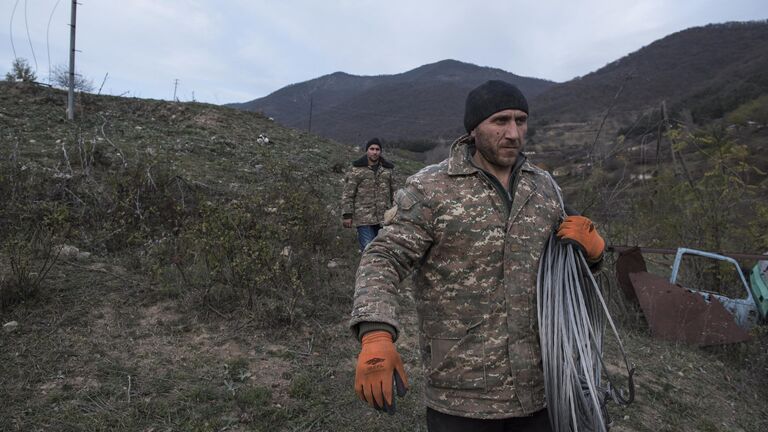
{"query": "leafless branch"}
(119, 152)
(605, 117)
(102, 82)
(66, 158)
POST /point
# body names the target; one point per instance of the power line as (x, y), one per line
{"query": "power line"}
(311, 103)
(13, 47)
(29, 38)
(48, 40)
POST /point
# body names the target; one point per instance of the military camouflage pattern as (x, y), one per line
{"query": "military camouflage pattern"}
(475, 283)
(367, 193)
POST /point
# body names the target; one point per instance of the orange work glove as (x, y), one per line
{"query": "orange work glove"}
(378, 366)
(582, 231)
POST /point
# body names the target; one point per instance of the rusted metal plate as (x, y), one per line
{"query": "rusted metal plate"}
(677, 314)
(629, 261)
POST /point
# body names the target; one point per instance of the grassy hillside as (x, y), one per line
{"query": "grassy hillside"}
(206, 283)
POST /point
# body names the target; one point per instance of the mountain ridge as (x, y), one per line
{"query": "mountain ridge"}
(677, 68)
(350, 108)
(707, 70)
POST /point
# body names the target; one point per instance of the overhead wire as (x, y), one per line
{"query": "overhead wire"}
(572, 316)
(29, 38)
(48, 40)
(10, 30)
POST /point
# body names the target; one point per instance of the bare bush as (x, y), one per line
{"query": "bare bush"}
(31, 256)
(60, 78)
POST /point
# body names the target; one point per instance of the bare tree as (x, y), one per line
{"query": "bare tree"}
(60, 78)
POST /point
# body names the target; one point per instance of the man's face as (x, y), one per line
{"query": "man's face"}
(374, 151)
(500, 137)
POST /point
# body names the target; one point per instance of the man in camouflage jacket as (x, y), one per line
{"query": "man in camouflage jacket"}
(473, 228)
(368, 191)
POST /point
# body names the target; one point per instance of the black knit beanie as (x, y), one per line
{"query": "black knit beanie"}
(489, 98)
(373, 141)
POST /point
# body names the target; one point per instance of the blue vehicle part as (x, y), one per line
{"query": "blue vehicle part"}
(745, 310)
(759, 283)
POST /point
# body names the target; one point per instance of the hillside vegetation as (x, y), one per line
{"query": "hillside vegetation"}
(705, 71)
(710, 70)
(205, 282)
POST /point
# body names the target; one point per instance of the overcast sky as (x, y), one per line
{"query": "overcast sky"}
(238, 50)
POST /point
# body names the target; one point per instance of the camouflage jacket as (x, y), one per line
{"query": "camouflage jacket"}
(475, 263)
(367, 193)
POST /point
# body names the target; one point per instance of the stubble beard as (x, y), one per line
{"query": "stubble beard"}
(494, 155)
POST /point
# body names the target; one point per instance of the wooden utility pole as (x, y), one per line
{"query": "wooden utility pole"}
(665, 117)
(663, 125)
(71, 96)
(311, 101)
(659, 131)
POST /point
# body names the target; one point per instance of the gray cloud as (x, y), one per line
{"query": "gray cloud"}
(238, 50)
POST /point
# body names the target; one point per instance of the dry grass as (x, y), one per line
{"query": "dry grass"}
(96, 353)
(123, 341)
(100, 353)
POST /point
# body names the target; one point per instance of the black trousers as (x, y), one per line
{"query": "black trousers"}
(439, 422)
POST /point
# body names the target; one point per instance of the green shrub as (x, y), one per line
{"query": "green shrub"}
(21, 71)
(264, 252)
(253, 398)
(303, 386)
(237, 369)
(755, 110)
(710, 201)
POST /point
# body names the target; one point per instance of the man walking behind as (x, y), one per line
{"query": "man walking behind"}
(472, 229)
(368, 191)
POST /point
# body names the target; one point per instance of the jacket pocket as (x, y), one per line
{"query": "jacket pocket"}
(456, 358)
